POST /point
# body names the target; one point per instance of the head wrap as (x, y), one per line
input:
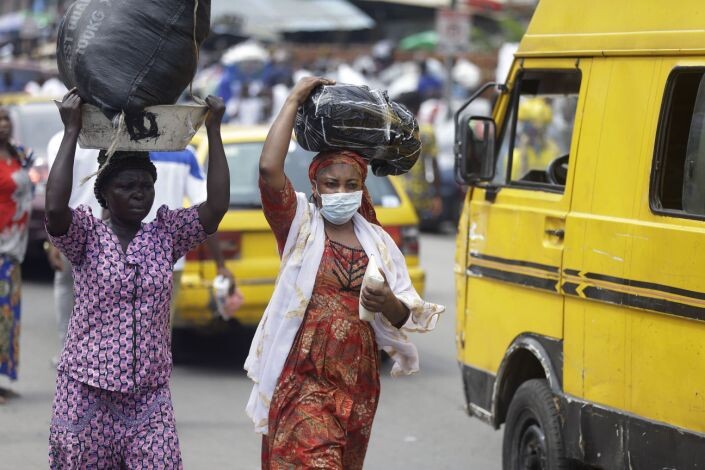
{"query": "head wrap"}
(348, 157)
(119, 161)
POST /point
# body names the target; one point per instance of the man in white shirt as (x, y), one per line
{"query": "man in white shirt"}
(85, 164)
(179, 177)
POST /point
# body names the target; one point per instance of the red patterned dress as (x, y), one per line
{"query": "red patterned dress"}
(326, 397)
(15, 208)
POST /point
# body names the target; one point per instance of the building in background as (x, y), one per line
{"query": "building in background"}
(34, 6)
(296, 20)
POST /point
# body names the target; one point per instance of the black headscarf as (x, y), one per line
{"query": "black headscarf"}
(118, 162)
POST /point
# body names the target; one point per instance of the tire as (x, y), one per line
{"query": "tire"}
(532, 432)
(181, 339)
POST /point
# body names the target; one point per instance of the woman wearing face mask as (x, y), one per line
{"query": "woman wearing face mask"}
(315, 364)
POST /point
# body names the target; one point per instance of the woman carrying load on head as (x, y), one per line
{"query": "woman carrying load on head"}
(15, 206)
(315, 364)
(112, 407)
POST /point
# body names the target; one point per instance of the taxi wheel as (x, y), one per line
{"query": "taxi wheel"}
(180, 342)
(532, 432)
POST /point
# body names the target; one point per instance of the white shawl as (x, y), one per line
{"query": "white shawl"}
(301, 258)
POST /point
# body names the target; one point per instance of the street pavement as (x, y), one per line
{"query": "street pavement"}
(420, 422)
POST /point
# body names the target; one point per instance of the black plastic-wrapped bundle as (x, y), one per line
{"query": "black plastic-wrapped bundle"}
(363, 120)
(129, 54)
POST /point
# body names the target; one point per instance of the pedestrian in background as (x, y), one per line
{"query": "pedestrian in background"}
(15, 207)
(85, 164)
(112, 407)
(423, 181)
(314, 362)
(430, 86)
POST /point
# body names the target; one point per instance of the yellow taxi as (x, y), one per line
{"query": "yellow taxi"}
(247, 242)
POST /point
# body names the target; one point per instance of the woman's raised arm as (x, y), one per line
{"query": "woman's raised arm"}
(276, 146)
(60, 179)
(212, 211)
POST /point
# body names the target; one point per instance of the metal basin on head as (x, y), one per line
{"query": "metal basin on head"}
(157, 128)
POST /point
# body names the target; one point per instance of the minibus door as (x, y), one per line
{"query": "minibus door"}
(516, 222)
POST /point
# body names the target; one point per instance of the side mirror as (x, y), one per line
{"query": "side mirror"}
(474, 149)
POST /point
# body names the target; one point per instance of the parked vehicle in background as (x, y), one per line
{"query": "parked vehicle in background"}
(579, 262)
(35, 121)
(246, 239)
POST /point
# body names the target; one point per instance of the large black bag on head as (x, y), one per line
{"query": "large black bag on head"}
(363, 120)
(125, 55)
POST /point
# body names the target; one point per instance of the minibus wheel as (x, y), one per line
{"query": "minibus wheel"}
(532, 432)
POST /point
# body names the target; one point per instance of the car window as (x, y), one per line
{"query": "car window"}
(243, 160)
(35, 124)
(538, 130)
(679, 160)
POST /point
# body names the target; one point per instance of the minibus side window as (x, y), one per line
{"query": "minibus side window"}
(537, 132)
(678, 175)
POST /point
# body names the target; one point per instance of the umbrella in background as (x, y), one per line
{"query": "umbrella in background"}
(426, 40)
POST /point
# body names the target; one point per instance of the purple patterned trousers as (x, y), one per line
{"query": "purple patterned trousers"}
(95, 428)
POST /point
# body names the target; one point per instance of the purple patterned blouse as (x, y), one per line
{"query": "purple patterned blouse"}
(118, 336)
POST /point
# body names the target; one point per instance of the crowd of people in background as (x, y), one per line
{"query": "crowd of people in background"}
(254, 81)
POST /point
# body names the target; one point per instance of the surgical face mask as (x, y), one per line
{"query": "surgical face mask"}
(338, 208)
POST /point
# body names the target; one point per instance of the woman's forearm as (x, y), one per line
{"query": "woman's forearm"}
(217, 183)
(397, 313)
(211, 212)
(276, 146)
(59, 184)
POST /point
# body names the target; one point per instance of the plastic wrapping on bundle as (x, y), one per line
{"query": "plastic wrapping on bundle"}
(131, 54)
(363, 120)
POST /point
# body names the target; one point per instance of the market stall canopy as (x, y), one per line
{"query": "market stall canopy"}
(264, 17)
(416, 3)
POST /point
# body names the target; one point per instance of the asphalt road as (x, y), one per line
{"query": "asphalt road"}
(420, 422)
